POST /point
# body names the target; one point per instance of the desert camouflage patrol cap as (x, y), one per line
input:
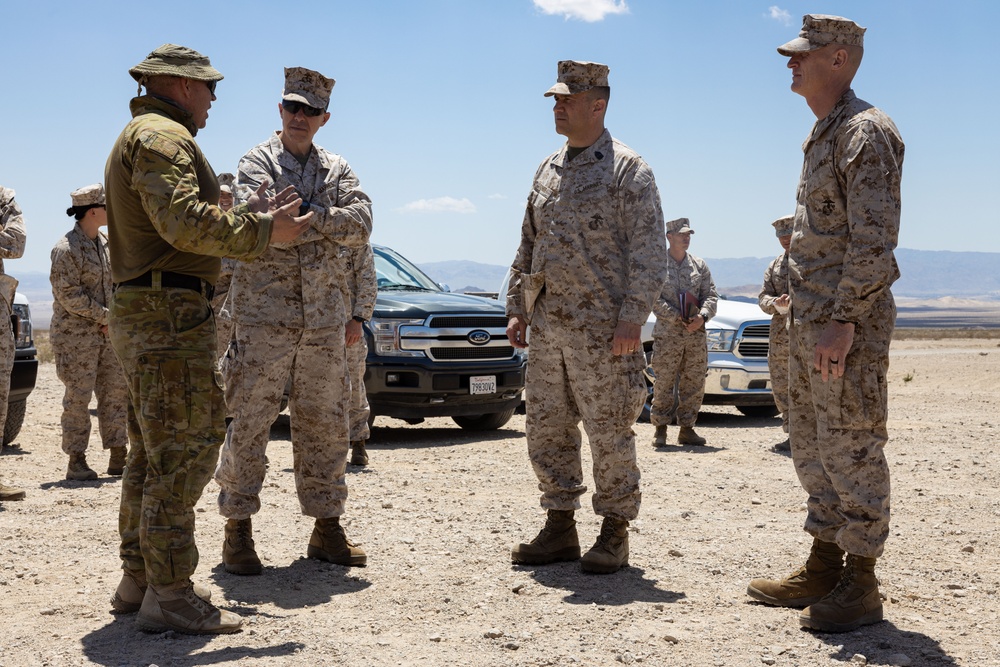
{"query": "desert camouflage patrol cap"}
(307, 86)
(226, 182)
(783, 226)
(680, 226)
(88, 195)
(818, 30)
(173, 60)
(577, 76)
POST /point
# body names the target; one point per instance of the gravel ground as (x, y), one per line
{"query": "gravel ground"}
(439, 508)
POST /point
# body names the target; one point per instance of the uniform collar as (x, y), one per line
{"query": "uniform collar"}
(162, 106)
(824, 124)
(596, 152)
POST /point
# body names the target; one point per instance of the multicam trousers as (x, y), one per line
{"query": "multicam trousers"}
(165, 341)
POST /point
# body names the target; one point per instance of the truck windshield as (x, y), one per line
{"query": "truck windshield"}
(395, 272)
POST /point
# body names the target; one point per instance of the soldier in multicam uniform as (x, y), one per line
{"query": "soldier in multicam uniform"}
(86, 364)
(774, 300)
(289, 309)
(12, 237)
(224, 325)
(590, 263)
(680, 344)
(362, 283)
(166, 234)
(840, 269)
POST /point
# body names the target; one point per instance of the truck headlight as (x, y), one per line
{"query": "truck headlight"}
(720, 340)
(385, 333)
(23, 331)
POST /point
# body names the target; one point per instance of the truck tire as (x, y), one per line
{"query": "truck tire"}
(759, 411)
(15, 419)
(488, 422)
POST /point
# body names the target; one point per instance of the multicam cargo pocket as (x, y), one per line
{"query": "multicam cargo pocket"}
(180, 390)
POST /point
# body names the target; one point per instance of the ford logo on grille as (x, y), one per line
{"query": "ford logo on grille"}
(479, 337)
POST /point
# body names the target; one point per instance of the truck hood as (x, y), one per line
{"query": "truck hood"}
(403, 304)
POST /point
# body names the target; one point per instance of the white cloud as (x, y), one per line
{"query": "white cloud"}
(778, 14)
(439, 205)
(497, 196)
(585, 10)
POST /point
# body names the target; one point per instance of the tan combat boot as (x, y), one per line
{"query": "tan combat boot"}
(853, 603)
(78, 469)
(660, 436)
(610, 551)
(116, 462)
(557, 541)
(329, 542)
(176, 607)
(238, 554)
(359, 457)
(132, 588)
(808, 584)
(11, 493)
(687, 436)
(783, 446)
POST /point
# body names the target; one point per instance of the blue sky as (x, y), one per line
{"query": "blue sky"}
(438, 106)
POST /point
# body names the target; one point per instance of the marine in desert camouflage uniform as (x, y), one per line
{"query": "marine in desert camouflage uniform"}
(85, 362)
(841, 267)
(591, 261)
(12, 237)
(774, 300)
(363, 290)
(289, 309)
(680, 345)
(166, 234)
(224, 325)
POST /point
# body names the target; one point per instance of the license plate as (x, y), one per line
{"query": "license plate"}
(483, 384)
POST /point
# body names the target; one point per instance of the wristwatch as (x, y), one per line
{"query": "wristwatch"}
(358, 318)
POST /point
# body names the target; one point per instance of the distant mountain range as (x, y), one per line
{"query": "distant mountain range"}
(926, 274)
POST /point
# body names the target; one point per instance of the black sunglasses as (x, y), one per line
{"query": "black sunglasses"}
(211, 86)
(293, 108)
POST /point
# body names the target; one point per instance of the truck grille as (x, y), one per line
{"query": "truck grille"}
(468, 321)
(458, 353)
(754, 340)
(446, 338)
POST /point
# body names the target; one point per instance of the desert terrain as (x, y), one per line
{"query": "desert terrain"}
(438, 509)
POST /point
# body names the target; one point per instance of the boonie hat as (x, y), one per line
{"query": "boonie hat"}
(818, 30)
(173, 60)
(88, 195)
(783, 226)
(307, 86)
(226, 182)
(577, 76)
(679, 226)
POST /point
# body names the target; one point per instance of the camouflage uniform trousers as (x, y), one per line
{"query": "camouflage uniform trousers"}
(256, 372)
(777, 366)
(7, 348)
(223, 333)
(838, 433)
(165, 341)
(88, 367)
(680, 361)
(356, 357)
(572, 377)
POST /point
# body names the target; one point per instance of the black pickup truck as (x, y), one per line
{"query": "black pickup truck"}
(433, 353)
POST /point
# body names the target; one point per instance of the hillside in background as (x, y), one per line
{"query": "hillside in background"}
(926, 274)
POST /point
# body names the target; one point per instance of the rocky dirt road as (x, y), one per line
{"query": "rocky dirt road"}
(439, 508)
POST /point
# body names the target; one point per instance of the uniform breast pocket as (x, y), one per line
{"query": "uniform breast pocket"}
(825, 201)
